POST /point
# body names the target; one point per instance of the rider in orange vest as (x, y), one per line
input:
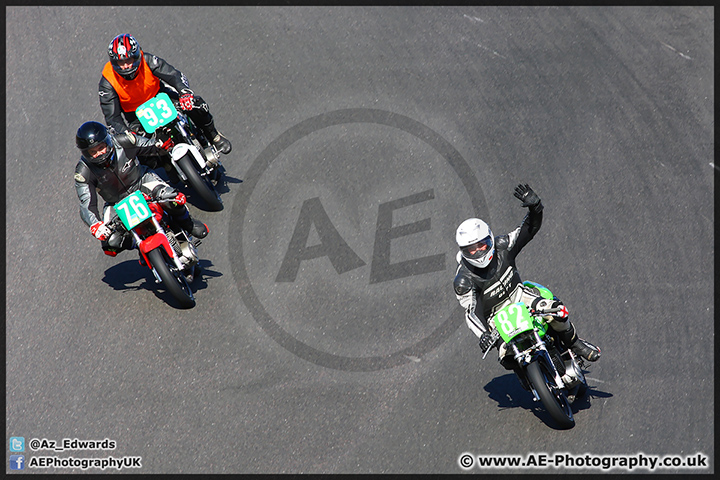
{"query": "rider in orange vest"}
(132, 77)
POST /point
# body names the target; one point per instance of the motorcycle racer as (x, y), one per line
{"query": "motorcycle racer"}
(131, 77)
(487, 279)
(108, 166)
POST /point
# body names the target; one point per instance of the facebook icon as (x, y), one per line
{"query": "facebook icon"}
(17, 462)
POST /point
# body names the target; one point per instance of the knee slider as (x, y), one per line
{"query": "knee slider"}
(163, 192)
(119, 241)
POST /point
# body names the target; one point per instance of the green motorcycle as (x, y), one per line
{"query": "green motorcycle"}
(551, 372)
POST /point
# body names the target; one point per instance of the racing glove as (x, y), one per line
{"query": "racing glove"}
(180, 199)
(487, 341)
(186, 99)
(167, 145)
(526, 195)
(100, 231)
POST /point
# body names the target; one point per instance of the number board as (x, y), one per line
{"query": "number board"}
(133, 210)
(156, 112)
(513, 320)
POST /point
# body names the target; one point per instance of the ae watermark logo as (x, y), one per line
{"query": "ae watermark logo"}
(342, 238)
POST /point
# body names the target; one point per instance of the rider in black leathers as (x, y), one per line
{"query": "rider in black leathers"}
(109, 166)
(487, 279)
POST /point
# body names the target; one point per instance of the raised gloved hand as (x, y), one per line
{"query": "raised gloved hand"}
(186, 99)
(100, 231)
(487, 341)
(526, 195)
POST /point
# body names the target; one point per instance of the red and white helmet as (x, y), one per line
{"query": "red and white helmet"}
(476, 242)
(124, 47)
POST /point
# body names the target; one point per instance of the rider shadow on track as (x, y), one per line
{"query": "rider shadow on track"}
(507, 391)
(124, 275)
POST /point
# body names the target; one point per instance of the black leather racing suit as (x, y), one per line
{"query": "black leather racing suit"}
(483, 291)
(170, 77)
(116, 182)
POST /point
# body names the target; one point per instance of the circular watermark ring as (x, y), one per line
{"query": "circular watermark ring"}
(242, 201)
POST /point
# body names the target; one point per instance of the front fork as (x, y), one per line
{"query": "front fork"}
(207, 159)
(162, 242)
(539, 350)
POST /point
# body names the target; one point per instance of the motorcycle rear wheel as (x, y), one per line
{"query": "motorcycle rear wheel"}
(554, 400)
(202, 185)
(172, 278)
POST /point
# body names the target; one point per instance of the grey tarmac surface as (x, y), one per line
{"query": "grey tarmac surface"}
(326, 336)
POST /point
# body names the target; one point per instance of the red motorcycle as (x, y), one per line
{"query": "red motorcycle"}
(168, 250)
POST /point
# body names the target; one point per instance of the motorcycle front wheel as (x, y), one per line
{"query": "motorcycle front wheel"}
(202, 185)
(172, 278)
(554, 400)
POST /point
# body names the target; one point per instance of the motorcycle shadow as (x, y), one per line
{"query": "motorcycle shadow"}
(508, 393)
(125, 275)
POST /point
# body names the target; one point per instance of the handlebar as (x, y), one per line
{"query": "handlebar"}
(115, 225)
(545, 312)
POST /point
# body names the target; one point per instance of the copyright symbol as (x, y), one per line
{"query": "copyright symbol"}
(34, 444)
(466, 460)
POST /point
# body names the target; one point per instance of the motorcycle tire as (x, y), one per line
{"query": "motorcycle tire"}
(555, 401)
(202, 185)
(173, 280)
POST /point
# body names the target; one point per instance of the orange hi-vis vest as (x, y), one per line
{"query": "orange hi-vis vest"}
(135, 92)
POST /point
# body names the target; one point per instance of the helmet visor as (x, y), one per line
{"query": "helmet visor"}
(477, 250)
(127, 66)
(99, 154)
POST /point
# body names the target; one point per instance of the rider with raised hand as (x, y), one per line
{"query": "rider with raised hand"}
(132, 77)
(108, 165)
(487, 279)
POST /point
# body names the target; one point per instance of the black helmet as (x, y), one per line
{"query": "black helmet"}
(124, 47)
(93, 134)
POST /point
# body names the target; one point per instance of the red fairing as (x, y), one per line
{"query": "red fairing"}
(157, 210)
(154, 242)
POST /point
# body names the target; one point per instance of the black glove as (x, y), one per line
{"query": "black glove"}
(487, 341)
(526, 195)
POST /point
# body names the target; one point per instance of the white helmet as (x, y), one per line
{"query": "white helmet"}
(476, 242)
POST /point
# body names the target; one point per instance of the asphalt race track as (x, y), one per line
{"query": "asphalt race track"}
(326, 336)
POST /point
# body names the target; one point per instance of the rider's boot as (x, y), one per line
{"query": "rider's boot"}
(569, 338)
(586, 350)
(116, 244)
(219, 140)
(196, 228)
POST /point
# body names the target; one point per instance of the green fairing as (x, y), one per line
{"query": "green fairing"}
(541, 326)
(515, 319)
(537, 322)
(544, 292)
